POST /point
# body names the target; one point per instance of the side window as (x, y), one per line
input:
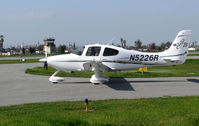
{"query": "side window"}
(93, 51)
(110, 52)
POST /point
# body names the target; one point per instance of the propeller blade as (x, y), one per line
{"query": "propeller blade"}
(43, 60)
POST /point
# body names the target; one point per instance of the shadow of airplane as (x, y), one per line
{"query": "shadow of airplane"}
(119, 84)
(193, 80)
(114, 83)
(154, 81)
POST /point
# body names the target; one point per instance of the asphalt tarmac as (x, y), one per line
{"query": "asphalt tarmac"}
(16, 87)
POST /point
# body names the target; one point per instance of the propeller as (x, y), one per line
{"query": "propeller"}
(45, 60)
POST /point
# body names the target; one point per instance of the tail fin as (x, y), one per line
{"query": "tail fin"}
(181, 43)
(179, 48)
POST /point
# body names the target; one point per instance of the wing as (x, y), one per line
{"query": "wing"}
(96, 66)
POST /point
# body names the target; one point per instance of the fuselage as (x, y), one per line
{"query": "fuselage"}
(116, 58)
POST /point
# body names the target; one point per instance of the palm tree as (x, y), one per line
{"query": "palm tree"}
(124, 42)
(121, 40)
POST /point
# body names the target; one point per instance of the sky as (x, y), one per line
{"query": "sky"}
(96, 21)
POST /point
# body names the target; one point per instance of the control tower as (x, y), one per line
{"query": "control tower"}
(49, 46)
(1, 43)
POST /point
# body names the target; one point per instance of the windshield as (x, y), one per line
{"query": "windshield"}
(78, 51)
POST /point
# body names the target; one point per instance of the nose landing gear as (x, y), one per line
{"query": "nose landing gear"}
(55, 79)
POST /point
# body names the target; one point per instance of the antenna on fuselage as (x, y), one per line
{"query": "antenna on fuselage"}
(109, 43)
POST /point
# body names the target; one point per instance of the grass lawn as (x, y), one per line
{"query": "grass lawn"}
(189, 68)
(193, 54)
(175, 111)
(194, 51)
(19, 61)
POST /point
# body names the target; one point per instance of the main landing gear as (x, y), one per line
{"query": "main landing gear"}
(97, 78)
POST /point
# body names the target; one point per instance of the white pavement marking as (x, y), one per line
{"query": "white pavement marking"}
(16, 87)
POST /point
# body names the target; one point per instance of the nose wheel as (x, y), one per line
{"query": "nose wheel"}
(55, 79)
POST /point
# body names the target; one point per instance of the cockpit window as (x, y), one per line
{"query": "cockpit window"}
(93, 51)
(110, 52)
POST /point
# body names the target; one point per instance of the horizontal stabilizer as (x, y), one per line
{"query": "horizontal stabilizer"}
(172, 60)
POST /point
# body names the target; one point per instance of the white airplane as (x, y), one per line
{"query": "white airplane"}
(105, 58)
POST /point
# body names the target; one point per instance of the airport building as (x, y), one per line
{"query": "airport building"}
(49, 46)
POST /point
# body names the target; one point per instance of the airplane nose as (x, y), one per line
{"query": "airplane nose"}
(43, 60)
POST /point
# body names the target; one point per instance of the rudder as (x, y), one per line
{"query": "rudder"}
(181, 43)
(179, 48)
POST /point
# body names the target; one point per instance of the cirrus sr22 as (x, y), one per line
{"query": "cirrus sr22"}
(105, 58)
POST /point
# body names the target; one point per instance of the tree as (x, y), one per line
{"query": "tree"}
(40, 47)
(13, 48)
(138, 44)
(168, 44)
(23, 50)
(74, 46)
(152, 46)
(193, 44)
(121, 40)
(123, 43)
(1, 38)
(61, 48)
(32, 50)
(162, 46)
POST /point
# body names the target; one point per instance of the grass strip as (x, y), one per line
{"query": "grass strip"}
(172, 111)
(189, 68)
(193, 54)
